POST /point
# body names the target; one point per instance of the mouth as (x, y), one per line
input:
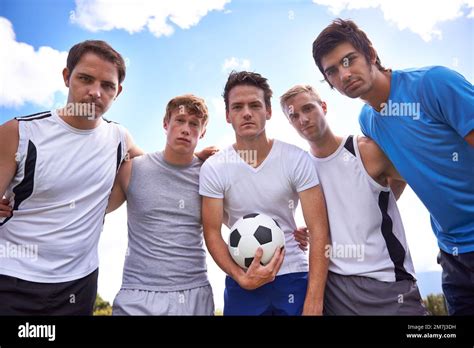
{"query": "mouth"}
(247, 124)
(351, 86)
(184, 140)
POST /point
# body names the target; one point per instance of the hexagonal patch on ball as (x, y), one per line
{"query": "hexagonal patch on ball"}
(235, 238)
(263, 235)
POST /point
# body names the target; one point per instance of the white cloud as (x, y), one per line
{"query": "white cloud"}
(28, 75)
(419, 16)
(234, 63)
(134, 16)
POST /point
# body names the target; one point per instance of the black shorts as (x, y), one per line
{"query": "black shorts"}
(21, 297)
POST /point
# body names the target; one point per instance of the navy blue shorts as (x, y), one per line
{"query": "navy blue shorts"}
(284, 296)
(458, 282)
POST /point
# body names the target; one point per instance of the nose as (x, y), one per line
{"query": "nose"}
(95, 90)
(345, 74)
(185, 129)
(304, 118)
(247, 114)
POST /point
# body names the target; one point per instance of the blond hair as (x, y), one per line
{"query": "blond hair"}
(191, 104)
(295, 90)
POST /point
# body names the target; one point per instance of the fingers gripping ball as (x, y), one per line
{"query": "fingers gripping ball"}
(250, 232)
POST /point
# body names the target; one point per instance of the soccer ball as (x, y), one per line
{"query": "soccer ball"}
(250, 232)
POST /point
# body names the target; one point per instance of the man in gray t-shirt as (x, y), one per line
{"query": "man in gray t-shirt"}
(165, 267)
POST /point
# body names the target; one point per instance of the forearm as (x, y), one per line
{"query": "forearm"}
(318, 267)
(116, 199)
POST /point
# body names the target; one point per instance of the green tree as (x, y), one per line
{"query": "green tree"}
(102, 307)
(436, 304)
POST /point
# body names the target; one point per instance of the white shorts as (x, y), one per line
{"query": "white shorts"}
(197, 301)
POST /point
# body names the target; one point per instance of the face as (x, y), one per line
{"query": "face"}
(247, 111)
(348, 70)
(307, 116)
(183, 131)
(93, 81)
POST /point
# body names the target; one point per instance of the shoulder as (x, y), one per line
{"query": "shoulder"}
(289, 149)
(220, 158)
(9, 131)
(369, 148)
(433, 73)
(34, 117)
(9, 126)
(374, 159)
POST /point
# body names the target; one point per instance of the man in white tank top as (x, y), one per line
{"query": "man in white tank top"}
(370, 269)
(57, 169)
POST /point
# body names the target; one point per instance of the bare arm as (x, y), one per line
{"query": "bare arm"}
(256, 275)
(118, 195)
(395, 180)
(379, 167)
(315, 216)
(9, 138)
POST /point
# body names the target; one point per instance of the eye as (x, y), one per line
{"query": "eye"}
(330, 72)
(195, 124)
(308, 108)
(293, 117)
(236, 107)
(109, 86)
(85, 78)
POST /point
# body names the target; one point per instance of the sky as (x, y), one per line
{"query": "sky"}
(178, 46)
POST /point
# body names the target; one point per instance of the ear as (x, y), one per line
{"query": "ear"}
(66, 76)
(324, 107)
(373, 55)
(227, 118)
(119, 91)
(165, 124)
(269, 112)
(203, 133)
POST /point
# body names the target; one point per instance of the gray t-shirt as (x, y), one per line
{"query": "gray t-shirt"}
(165, 242)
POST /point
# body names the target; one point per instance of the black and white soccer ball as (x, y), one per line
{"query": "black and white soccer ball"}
(250, 232)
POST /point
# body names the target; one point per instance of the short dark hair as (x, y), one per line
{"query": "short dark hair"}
(100, 48)
(340, 31)
(249, 79)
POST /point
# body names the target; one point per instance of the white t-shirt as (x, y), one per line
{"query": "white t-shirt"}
(59, 195)
(272, 189)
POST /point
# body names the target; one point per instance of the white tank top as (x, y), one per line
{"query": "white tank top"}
(59, 195)
(366, 230)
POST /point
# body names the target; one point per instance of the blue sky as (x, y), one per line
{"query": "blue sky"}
(177, 47)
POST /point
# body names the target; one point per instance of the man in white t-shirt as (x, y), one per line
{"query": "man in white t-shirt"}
(370, 268)
(261, 175)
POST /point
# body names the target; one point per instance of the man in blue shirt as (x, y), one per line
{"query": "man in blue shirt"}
(423, 119)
